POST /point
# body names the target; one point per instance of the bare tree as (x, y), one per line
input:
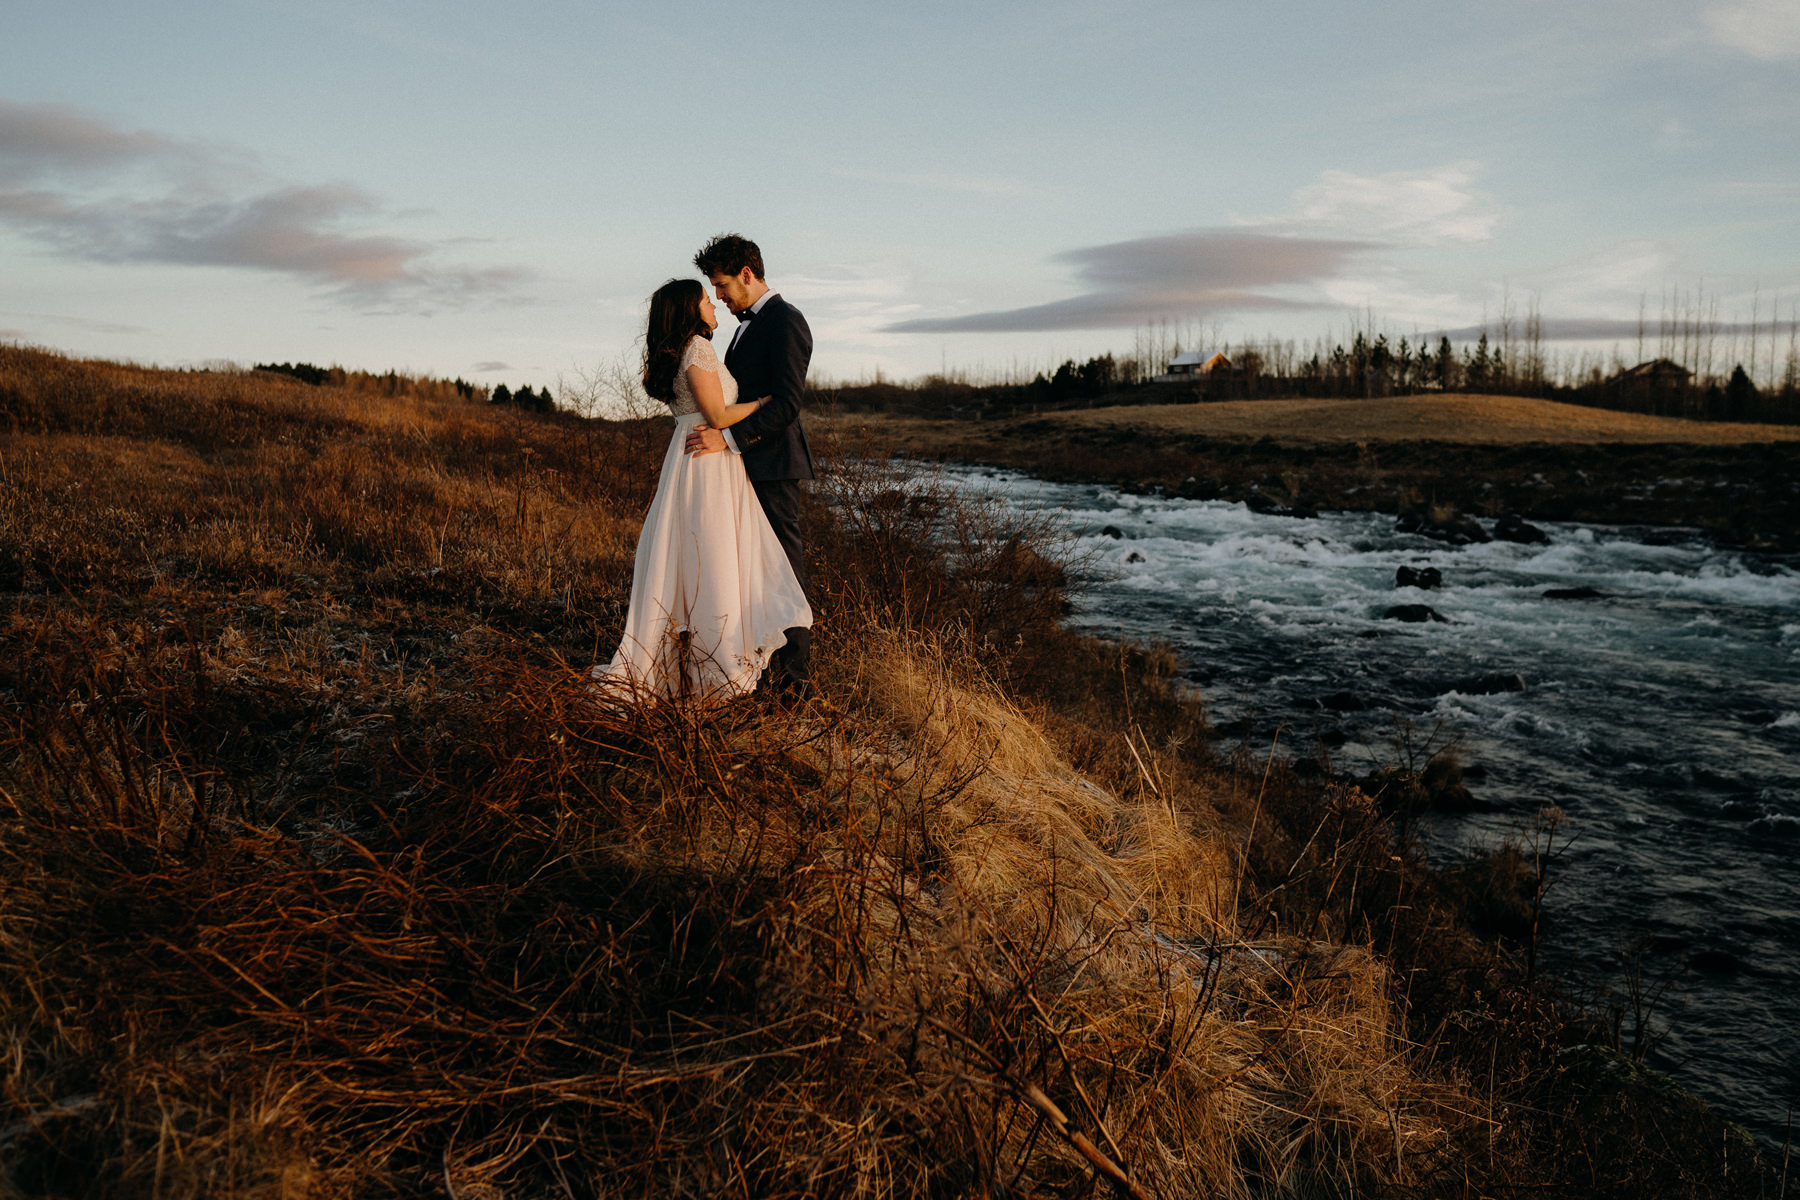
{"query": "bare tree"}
(609, 389)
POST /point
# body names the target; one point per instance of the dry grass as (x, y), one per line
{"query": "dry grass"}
(1453, 419)
(320, 875)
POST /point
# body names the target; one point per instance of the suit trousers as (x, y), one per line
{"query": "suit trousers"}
(790, 666)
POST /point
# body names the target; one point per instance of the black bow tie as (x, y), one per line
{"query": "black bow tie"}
(744, 317)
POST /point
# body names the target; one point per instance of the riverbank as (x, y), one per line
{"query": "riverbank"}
(1680, 807)
(1480, 455)
(320, 874)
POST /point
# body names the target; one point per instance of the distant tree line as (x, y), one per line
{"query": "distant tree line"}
(392, 383)
(389, 383)
(1685, 365)
(525, 398)
(304, 372)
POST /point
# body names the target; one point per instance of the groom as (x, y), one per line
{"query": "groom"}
(768, 356)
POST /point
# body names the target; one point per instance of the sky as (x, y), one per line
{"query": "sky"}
(493, 191)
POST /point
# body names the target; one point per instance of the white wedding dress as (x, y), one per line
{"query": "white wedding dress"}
(712, 592)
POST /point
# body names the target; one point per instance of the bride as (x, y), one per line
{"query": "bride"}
(712, 591)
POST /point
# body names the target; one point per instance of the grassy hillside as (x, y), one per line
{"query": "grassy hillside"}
(321, 875)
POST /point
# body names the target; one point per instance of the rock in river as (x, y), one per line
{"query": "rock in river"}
(1574, 593)
(1192, 488)
(1492, 684)
(1266, 505)
(1512, 528)
(1414, 613)
(1443, 523)
(1422, 577)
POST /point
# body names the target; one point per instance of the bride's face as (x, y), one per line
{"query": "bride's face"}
(708, 313)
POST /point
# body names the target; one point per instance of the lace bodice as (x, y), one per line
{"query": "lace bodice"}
(699, 353)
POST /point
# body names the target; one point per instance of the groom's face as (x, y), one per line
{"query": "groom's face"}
(736, 292)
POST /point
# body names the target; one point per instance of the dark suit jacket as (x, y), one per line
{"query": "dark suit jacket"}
(769, 361)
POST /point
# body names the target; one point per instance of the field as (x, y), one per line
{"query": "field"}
(321, 874)
(1454, 419)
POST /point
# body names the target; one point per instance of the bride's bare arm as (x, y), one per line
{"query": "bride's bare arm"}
(711, 399)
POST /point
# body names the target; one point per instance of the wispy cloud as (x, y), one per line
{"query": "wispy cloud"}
(1436, 207)
(1765, 29)
(487, 368)
(1145, 279)
(1318, 254)
(89, 190)
(50, 141)
(857, 303)
(83, 323)
(1618, 277)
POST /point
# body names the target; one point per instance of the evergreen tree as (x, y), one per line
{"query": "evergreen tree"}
(1313, 372)
(1740, 393)
(1339, 367)
(1095, 377)
(1481, 364)
(1359, 365)
(502, 394)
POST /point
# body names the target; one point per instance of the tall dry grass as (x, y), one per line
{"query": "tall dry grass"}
(322, 875)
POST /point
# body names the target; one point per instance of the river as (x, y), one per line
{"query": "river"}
(1662, 716)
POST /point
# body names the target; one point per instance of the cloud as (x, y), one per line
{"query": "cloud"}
(1618, 276)
(85, 323)
(50, 139)
(1437, 207)
(1765, 29)
(88, 190)
(857, 302)
(1132, 282)
(1292, 260)
(485, 368)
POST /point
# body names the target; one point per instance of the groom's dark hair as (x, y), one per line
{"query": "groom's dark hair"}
(728, 254)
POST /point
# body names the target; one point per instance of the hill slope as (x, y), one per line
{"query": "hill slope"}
(321, 874)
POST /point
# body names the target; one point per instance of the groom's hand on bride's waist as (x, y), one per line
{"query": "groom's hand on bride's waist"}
(704, 439)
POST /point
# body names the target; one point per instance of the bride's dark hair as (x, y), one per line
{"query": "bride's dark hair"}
(674, 319)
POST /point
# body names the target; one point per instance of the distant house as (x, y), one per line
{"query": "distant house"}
(1193, 366)
(1197, 362)
(1657, 373)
